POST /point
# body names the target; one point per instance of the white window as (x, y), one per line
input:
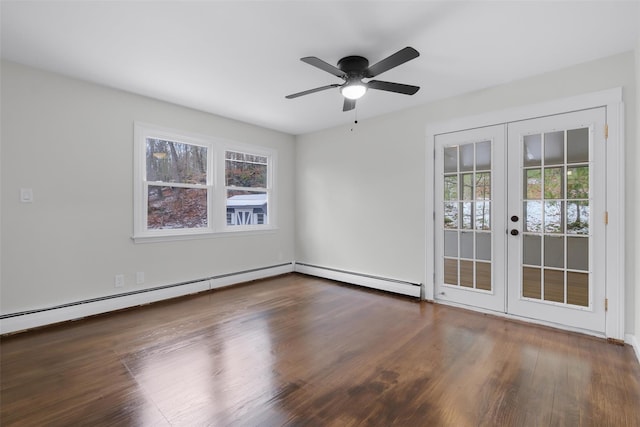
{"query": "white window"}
(175, 192)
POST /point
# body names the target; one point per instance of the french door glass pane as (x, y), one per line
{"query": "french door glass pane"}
(553, 285)
(532, 150)
(533, 183)
(578, 145)
(578, 182)
(483, 246)
(531, 285)
(451, 271)
(466, 273)
(451, 244)
(554, 148)
(483, 276)
(451, 215)
(578, 253)
(578, 288)
(531, 250)
(451, 159)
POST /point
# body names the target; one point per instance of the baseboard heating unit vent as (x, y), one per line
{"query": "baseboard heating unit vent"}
(29, 319)
(367, 280)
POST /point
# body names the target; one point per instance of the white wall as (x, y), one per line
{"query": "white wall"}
(72, 143)
(360, 195)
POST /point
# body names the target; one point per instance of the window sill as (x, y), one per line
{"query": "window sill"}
(203, 235)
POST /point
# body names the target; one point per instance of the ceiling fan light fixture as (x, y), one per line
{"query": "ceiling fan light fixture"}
(353, 90)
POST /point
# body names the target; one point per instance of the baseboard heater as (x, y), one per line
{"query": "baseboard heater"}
(376, 282)
(29, 319)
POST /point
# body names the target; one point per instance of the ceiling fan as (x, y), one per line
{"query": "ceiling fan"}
(352, 69)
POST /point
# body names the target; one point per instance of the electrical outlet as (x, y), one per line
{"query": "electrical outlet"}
(119, 280)
(139, 277)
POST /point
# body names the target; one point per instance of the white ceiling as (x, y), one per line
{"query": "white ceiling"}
(239, 59)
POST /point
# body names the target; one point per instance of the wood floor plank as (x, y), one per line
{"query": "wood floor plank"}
(301, 351)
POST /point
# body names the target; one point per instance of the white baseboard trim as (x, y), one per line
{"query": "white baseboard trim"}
(380, 283)
(633, 342)
(73, 311)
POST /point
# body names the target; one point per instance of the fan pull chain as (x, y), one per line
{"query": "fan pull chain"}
(355, 118)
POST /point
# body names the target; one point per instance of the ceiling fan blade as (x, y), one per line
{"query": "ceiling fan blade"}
(393, 87)
(398, 58)
(349, 104)
(319, 63)
(307, 92)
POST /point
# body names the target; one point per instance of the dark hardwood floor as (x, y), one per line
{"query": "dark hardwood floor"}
(296, 350)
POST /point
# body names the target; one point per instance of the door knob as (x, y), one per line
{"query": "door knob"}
(514, 232)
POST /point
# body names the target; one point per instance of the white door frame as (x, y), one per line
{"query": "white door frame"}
(615, 188)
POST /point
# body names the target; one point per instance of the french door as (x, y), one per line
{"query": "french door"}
(470, 199)
(520, 218)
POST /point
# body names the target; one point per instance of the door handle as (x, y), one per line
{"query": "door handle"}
(514, 232)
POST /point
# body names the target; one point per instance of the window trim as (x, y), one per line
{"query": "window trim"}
(216, 189)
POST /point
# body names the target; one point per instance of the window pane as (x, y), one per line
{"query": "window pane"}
(451, 271)
(483, 155)
(483, 276)
(483, 215)
(483, 186)
(578, 217)
(554, 148)
(245, 170)
(553, 217)
(578, 289)
(553, 183)
(466, 157)
(531, 250)
(533, 184)
(533, 217)
(467, 215)
(578, 253)
(578, 182)
(466, 274)
(175, 208)
(466, 244)
(467, 186)
(170, 161)
(451, 159)
(578, 145)
(451, 243)
(483, 246)
(554, 285)
(554, 251)
(246, 207)
(532, 150)
(451, 187)
(450, 215)
(531, 287)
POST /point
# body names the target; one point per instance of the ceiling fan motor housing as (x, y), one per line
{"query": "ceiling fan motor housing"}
(354, 66)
